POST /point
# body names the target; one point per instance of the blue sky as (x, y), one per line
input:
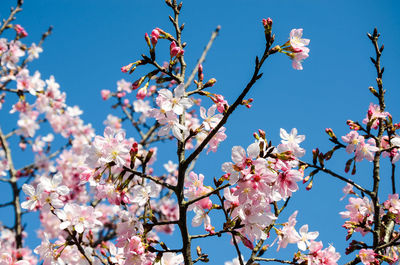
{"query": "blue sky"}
(93, 39)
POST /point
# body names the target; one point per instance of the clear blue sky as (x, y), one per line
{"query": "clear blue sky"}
(93, 39)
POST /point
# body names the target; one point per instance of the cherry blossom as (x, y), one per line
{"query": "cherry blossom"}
(367, 257)
(33, 196)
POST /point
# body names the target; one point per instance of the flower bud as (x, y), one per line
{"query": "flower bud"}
(137, 83)
(200, 73)
(348, 164)
(307, 178)
(147, 38)
(155, 34)
(329, 131)
(309, 186)
(255, 135)
(210, 83)
(20, 31)
(126, 68)
(142, 92)
(247, 242)
(198, 250)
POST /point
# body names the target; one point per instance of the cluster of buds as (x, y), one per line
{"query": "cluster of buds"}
(21, 32)
(247, 102)
(353, 125)
(175, 50)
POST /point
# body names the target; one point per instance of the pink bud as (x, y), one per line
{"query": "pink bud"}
(136, 84)
(200, 73)
(155, 33)
(126, 102)
(174, 50)
(105, 94)
(205, 203)
(146, 37)
(126, 68)
(262, 133)
(20, 31)
(141, 94)
(267, 22)
(264, 21)
(247, 243)
(135, 147)
(154, 36)
(370, 113)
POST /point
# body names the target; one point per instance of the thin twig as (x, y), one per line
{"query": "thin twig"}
(208, 194)
(11, 17)
(202, 57)
(333, 174)
(140, 174)
(274, 260)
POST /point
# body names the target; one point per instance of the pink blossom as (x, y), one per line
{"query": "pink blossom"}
(105, 94)
(374, 114)
(178, 102)
(216, 140)
(393, 204)
(297, 44)
(367, 257)
(11, 57)
(33, 196)
(327, 256)
(305, 237)
(348, 189)
(79, 217)
(353, 139)
(298, 57)
(113, 122)
(290, 142)
(366, 150)
(210, 119)
(33, 52)
(296, 40)
(286, 182)
(201, 217)
(170, 121)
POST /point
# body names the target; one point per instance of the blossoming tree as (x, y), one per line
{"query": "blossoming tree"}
(101, 202)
